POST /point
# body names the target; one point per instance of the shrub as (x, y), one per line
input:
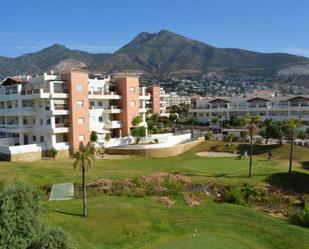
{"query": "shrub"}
(21, 221)
(234, 196)
(54, 238)
(248, 191)
(138, 133)
(208, 136)
(53, 153)
(156, 140)
(93, 136)
(136, 120)
(301, 218)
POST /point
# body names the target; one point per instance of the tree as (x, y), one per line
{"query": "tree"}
(94, 137)
(53, 153)
(21, 223)
(237, 122)
(84, 159)
(302, 135)
(136, 120)
(173, 118)
(252, 123)
(291, 132)
(267, 129)
(139, 133)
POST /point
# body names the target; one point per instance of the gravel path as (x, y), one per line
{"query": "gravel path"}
(215, 154)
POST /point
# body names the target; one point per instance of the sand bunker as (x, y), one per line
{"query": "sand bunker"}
(215, 154)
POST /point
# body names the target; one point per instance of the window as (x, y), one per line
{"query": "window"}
(100, 103)
(132, 103)
(132, 89)
(100, 119)
(33, 121)
(80, 103)
(81, 138)
(48, 121)
(91, 105)
(41, 121)
(79, 87)
(25, 121)
(42, 139)
(34, 138)
(80, 120)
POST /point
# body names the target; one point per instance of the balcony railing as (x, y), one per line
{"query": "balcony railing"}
(62, 125)
(61, 107)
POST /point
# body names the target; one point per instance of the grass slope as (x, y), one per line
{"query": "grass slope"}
(123, 222)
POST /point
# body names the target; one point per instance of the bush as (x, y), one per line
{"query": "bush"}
(136, 120)
(234, 196)
(156, 140)
(21, 221)
(53, 153)
(301, 218)
(208, 136)
(93, 136)
(54, 238)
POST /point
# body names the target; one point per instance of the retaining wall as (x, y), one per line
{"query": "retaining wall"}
(155, 152)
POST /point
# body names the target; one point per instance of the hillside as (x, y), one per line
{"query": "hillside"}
(162, 53)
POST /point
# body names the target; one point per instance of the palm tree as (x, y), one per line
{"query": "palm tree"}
(292, 126)
(252, 122)
(83, 158)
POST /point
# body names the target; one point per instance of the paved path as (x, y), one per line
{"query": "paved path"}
(215, 154)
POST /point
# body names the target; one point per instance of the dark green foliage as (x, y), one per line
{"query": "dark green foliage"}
(234, 196)
(53, 153)
(136, 120)
(93, 136)
(208, 136)
(54, 238)
(237, 122)
(301, 218)
(21, 225)
(138, 132)
(192, 121)
(156, 140)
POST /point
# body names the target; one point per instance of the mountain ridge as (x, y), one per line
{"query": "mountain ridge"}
(162, 53)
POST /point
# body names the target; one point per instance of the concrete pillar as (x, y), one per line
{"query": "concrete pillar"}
(21, 138)
(53, 140)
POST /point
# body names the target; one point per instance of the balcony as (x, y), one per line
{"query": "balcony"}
(113, 109)
(61, 128)
(103, 95)
(113, 124)
(145, 96)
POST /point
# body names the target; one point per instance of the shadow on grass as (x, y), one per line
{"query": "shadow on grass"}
(296, 181)
(67, 213)
(305, 165)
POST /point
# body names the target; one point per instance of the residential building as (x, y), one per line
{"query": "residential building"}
(277, 108)
(174, 99)
(157, 103)
(60, 110)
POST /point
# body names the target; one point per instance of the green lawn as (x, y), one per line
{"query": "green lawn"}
(123, 222)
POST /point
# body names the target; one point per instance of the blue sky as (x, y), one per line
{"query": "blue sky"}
(106, 25)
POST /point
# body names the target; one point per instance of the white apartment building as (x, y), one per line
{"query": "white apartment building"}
(173, 98)
(277, 108)
(60, 110)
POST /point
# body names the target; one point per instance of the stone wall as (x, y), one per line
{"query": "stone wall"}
(32, 156)
(155, 152)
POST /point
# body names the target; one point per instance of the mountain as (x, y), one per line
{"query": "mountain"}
(163, 53)
(168, 53)
(49, 58)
